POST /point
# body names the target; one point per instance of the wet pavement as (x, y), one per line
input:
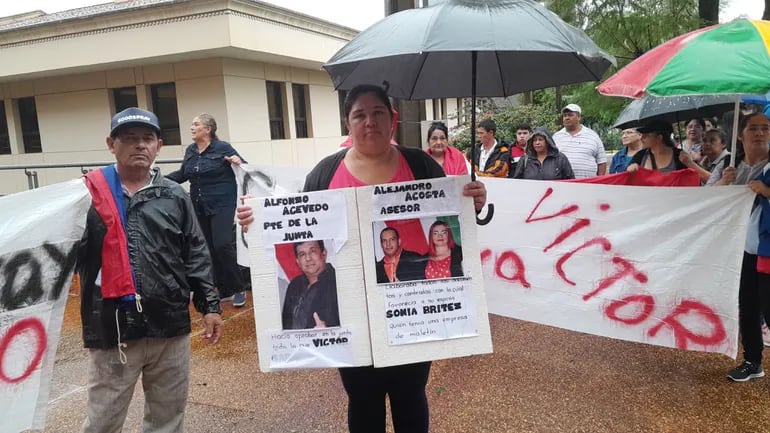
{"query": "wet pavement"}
(540, 379)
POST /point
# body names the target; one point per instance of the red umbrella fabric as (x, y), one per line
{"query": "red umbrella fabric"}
(731, 58)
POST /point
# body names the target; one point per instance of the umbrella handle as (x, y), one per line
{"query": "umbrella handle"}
(490, 212)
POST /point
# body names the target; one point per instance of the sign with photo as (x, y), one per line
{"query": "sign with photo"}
(307, 281)
(423, 272)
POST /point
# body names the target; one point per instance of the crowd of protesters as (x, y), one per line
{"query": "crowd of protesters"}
(576, 151)
(202, 261)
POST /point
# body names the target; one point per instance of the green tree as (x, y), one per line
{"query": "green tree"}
(708, 12)
(541, 113)
(626, 29)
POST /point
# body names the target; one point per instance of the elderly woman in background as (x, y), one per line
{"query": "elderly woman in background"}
(714, 149)
(543, 161)
(445, 257)
(214, 194)
(693, 142)
(632, 143)
(371, 160)
(450, 159)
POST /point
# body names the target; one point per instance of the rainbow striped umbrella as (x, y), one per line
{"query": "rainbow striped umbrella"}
(726, 59)
(731, 58)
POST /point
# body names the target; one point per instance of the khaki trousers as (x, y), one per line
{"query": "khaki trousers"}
(164, 364)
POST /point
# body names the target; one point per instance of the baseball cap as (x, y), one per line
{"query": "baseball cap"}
(656, 126)
(572, 107)
(133, 116)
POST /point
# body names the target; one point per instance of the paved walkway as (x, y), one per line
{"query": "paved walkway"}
(540, 380)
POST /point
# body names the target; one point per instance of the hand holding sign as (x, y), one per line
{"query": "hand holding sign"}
(233, 159)
(245, 214)
(478, 191)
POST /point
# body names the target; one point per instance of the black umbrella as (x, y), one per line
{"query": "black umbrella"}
(469, 48)
(429, 52)
(673, 109)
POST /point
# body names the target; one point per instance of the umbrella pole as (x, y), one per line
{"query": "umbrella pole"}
(734, 144)
(474, 155)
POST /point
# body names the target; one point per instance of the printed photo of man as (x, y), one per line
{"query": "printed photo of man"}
(311, 298)
(398, 264)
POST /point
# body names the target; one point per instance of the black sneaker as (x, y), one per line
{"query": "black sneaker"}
(746, 371)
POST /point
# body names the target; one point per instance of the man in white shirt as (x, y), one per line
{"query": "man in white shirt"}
(580, 144)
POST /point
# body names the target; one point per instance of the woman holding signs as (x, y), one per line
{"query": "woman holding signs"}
(371, 160)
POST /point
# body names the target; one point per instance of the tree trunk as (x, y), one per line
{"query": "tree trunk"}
(708, 12)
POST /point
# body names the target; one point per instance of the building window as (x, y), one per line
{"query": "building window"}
(30, 131)
(5, 140)
(341, 95)
(461, 114)
(164, 106)
(300, 95)
(275, 104)
(124, 97)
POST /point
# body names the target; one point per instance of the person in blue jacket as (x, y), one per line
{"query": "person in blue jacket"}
(214, 194)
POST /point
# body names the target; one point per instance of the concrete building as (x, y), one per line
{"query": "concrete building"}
(254, 66)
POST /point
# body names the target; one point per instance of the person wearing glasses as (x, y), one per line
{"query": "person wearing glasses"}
(632, 142)
(311, 298)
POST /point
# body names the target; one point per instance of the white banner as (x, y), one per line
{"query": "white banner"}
(657, 265)
(39, 234)
(263, 181)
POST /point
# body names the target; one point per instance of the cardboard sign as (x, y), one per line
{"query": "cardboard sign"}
(309, 297)
(423, 274)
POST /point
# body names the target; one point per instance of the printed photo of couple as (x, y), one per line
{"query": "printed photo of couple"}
(418, 249)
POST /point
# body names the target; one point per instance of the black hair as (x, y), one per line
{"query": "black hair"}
(700, 121)
(440, 126)
(391, 229)
(362, 89)
(744, 120)
(488, 125)
(722, 134)
(297, 244)
(668, 140)
(524, 126)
